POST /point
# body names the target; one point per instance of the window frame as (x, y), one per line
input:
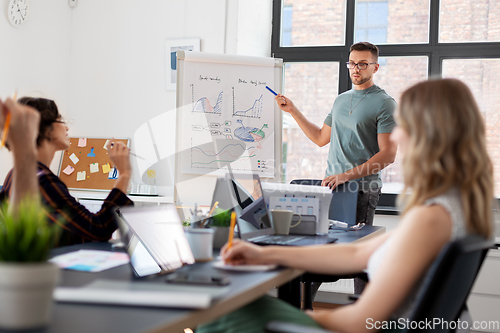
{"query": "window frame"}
(434, 50)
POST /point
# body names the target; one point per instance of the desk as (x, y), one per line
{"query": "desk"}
(244, 288)
(80, 318)
(291, 292)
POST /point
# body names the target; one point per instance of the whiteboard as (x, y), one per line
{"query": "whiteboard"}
(226, 116)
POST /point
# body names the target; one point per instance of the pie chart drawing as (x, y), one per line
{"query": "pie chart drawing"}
(250, 134)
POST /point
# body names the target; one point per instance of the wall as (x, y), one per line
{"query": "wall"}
(35, 57)
(104, 62)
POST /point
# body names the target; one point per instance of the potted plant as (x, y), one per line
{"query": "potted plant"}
(27, 279)
(220, 221)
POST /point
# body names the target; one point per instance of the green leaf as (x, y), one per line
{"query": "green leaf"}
(26, 235)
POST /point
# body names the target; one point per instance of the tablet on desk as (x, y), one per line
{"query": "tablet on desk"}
(154, 240)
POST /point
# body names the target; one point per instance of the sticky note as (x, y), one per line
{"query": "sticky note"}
(80, 176)
(91, 154)
(106, 144)
(94, 167)
(113, 174)
(69, 170)
(151, 173)
(82, 142)
(73, 158)
(106, 168)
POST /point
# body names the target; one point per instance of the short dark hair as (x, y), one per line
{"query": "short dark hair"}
(365, 46)
(48, 115)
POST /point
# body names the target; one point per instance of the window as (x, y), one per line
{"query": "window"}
(312, 87)
(286, 31)
(417, 39)
(313, 23)
(371, 22)
(481, 77)
(469, 21)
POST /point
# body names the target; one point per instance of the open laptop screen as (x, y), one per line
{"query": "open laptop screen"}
(154, 239)
(251, 207)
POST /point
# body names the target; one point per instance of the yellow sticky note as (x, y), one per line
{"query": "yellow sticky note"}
(106, 168)
(151, 174)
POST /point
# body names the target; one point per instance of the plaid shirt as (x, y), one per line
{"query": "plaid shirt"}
(78, 224)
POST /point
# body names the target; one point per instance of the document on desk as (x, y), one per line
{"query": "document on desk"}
(90, 260)
(243, 268)
(140, 294)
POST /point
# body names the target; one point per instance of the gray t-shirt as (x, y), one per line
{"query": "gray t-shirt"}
(353, 139)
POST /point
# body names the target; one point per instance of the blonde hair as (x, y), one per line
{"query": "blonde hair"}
(447, 149)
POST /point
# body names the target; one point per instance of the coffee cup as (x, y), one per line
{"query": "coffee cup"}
(201, 243)
(281, 221)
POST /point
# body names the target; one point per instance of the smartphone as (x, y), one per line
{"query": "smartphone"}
(212, 280)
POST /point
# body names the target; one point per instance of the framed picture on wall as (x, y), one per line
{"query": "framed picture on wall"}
(171, 47)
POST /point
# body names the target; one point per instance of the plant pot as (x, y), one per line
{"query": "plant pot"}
(26, 294)
(220, 236)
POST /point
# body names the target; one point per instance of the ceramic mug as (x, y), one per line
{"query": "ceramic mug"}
(201, 242)
(281, 221)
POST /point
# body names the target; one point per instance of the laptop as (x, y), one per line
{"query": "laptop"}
(154, 240)
(156, 244)
(253, 219)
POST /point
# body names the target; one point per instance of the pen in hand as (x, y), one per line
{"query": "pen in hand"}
(231, 230)
(272, 91)
(130, 153)
(6, 126)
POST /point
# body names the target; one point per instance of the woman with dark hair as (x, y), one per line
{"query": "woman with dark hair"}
(79, 225)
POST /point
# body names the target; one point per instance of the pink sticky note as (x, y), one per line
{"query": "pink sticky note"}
(69, 170)
(82, 142)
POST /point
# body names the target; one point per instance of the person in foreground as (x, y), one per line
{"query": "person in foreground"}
(448, 194)
(79, 225)
(21, 138)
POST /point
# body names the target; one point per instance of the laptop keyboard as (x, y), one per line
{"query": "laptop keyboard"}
(278, 240)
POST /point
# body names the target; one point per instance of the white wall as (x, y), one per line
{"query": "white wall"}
(104, 61)
(35, 57)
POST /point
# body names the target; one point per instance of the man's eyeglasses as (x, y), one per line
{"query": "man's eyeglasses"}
(361, 65)
(60, 121)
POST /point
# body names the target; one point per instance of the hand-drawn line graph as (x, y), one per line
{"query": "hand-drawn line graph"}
(250, 134)
(203, 105)
(201, 157)
(254, 112)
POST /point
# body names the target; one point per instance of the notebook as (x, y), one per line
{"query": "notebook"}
(253, 219)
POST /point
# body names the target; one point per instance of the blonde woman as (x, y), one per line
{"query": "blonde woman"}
(448, 194)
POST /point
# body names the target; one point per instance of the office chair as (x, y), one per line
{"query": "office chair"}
(342, 208)
(444, 290)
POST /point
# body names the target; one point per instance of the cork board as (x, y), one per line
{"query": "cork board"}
(86, 164)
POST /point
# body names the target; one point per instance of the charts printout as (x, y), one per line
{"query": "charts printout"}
(228, 117)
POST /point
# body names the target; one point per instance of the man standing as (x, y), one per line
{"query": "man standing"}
(358, 129)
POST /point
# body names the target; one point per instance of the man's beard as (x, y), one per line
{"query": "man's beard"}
(360, 80)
